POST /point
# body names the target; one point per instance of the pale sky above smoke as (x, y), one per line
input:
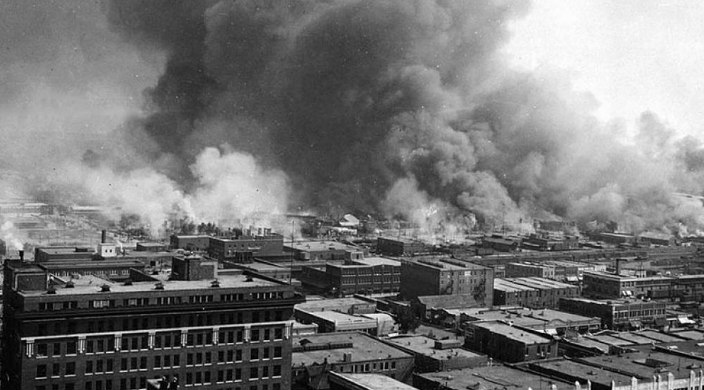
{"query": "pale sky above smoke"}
(633, 55)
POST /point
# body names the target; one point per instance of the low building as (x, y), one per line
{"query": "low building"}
(501, 244)
(349, 305)
(399, 246)
(438, 355)
(334, 321)
(547, 321)
(314, 356)
(659, 239)
(508, 343)
(618, 314)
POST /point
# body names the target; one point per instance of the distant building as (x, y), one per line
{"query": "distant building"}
(399, 246)
(532, 292)
(618, 314)
(151, 247)
(314, 356)
(195, 243)
(548, 321)
(508, 343)
(447, 277)
(659, 239)
(523, 269)
(617, 238)
(438, 355)
(349, 305)
(501, 244)
(242, 249)
(604, 285)
(314, 250)
(360, 276)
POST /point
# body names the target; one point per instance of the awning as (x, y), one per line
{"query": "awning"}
(684, 320)
(635, 324)
(551, 331)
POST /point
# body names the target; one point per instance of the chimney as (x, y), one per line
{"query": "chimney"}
(21, 254)
(103, 236)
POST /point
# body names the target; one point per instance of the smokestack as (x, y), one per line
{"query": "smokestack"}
(618, 266)
(103, 236)
(21, 253)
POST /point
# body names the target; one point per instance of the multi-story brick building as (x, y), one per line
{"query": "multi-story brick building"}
(618, 314)
(604, 285)
(242, 249)
(399, 246)
(223, 331)
(447, 277)
(536, 293)
(366, 275)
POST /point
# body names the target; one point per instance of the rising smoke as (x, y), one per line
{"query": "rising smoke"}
(397, 108)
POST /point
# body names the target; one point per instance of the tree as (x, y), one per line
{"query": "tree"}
(407, 321)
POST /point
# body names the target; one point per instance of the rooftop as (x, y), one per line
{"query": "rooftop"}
(373, 381)
(659, 336)
(363, 348)
(447, 264)
(634, 364)
(540, 283)
(509, 286)
(341, 303)
(513, 333)
(378, 261)
(339, 318)
(426, 346)
(493, 377)
(318, 246)
(92, 285)
(587, 372)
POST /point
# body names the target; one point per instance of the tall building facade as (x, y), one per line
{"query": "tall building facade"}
(217, 332)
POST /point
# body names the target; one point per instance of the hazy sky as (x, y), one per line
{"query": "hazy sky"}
(634, 55)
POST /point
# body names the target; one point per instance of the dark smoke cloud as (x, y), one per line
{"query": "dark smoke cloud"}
(401, 108)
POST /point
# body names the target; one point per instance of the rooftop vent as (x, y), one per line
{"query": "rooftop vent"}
(105, 288)
(70, 284)
(128, 282)
(159, 286)
(248, 279)
(215, 283)
(51, 290)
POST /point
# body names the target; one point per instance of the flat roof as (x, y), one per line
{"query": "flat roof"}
(89, 285)
(339, 318)
(542, 283)
(512, 332)
(659, 336)
(634, 338)
(612, 340)
(591, 343)
(341, 303)
(318, 246)
(690, 335)
(633, 363)
(426, 346)
(585, 372)
(373, 381)
(378, 261)
(506, 285)
(492, 377)
(447, 264)
(364, 348)
(629, 278)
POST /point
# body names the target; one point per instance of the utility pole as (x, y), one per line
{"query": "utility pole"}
(290, 272)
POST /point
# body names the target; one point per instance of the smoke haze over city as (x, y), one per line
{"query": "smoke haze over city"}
(230, 110)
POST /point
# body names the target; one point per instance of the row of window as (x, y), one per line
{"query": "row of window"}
(104, 303)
